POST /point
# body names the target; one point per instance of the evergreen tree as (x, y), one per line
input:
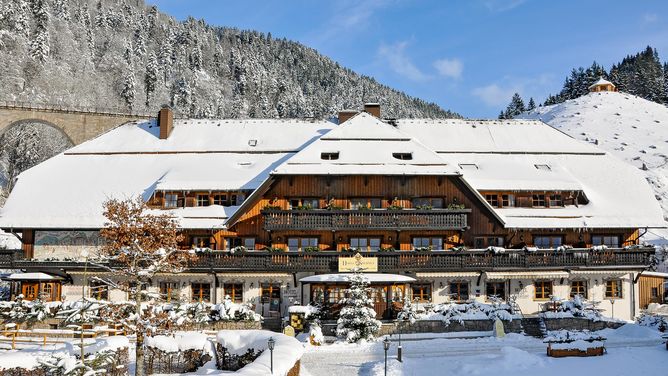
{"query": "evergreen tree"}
(151, 76)
(531, 105)
(129, 92)
(665, 83)
(357, 319)
(39, 47)
(515, 107)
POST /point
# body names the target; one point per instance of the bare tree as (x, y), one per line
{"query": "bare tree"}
(138, 246)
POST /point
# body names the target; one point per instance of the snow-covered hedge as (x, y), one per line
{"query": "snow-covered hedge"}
(460, 312)
(652, 320)
(575, 307)
(287, 350)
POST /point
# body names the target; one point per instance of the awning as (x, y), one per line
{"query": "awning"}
(38, 276)
(446, 274)
(602, 272)
(526, 275)
(345, 277)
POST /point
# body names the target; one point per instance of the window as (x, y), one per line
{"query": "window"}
(334, 294)
(507, 201)
(249, 243)
(252, 142)
(171, 200)
(654, 292)
(201, 241)
(304, 203)
(613, 289)
(434, 243)
(483, 242)
(234, 291)
(365, 244)
(556, 200)
(403, 156)
(543, 289)
(98, 290)
(270, 291)
(200, 292)
(169, 291)
(468, 166)
(422, 292)
(220, 199)
(329, 156)
(538, 200)
(459, 291)
(203, 200)
(492, 200)
(579, 288)
(610, 241)
(370, 203)
(496, 289)
(547, 242)
(298, 244)
(428, 203)
(543, 167)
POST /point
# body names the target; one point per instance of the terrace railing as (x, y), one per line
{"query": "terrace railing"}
(382, 219)
(394, 261)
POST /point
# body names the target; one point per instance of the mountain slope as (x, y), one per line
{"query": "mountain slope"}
(632, 128)
(121, 53)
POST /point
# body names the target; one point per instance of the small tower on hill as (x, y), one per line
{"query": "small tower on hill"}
(602, 85)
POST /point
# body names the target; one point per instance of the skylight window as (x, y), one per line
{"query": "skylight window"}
(468, 166)
(403, 156)
(543, 167)
(329, 155)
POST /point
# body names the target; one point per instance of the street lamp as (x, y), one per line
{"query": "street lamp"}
(612, 302)
(386, 346)
(271, 343)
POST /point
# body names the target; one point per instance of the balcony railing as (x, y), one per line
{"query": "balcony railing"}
(437, 219)
(395, 261)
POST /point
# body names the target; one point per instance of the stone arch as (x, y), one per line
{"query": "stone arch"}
(47, 123)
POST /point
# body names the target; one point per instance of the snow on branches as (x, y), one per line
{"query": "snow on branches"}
(357, 319)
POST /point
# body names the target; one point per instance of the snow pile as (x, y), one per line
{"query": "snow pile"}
(9, 241)
(579, 344)
(166, 344)
(631, 331)
(659, 309)
(108, 344)
(179, 342)
(287, 350)
(18, 359)
(307, 310)
(230, 311)
(629, 127)
(460, 312)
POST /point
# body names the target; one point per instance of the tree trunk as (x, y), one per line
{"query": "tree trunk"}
(139, 349)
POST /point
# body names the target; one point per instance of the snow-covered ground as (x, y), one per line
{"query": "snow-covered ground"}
(629, 127)
(632, 350)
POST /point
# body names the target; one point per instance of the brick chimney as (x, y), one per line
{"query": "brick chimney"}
(373, 109)
(346, 114)
(165, 122)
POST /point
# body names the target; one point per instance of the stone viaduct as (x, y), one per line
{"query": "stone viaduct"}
(79, 124)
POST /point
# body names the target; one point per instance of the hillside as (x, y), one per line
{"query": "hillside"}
(632, 128)
(124, 54)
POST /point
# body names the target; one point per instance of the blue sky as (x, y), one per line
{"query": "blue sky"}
(467, 56)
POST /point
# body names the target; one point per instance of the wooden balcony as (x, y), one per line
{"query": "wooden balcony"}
(380, 219)
(395, 261)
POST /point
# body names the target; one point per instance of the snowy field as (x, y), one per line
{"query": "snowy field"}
(632, 350)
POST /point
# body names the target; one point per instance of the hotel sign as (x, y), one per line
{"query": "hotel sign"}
(366, 264)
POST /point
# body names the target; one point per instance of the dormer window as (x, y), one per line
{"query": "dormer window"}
(543, 167)
(403, 156)
(252, 142)
(329, 155)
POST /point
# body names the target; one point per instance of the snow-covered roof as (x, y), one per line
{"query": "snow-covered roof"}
(371, 277)
(37, 276)
(601, 81)
(366, 145)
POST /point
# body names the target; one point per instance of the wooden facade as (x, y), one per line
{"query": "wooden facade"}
(651, 290)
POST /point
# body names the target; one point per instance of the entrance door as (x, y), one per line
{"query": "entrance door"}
(379, 298)
(30, 290)
(271, 298)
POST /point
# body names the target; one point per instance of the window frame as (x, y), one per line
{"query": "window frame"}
(201, 199)
(540, 293)
(370, 201)
(169, 290)
(171, 200)
(492, 199)
(424, 290)
(503, 296)
(203, 290)
(552, 244)
(431, 202)
(584, 286)
(555, 200)
(368, 239)
(429, 243)
(459, 291)
(603, 240)
(248, 243)
(218, 201)
(235, 290)
(98, 290)
(300, 242)
(508, 201)
(614, 289)
(273, 289)
(537, 199)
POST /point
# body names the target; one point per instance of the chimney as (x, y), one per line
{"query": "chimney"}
(373, 109)
(165, 122)
(346, 114)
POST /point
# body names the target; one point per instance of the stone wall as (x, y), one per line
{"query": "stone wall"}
(580, 323)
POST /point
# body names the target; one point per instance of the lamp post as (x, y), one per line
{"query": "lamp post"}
(82, 314)
(612, 303)
(271, 343)
(399, 348)
(386, 346)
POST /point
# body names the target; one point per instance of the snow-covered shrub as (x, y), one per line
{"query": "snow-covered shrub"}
(575, 307)
(448, 312)
(315, 334)
(408, 312)
(357, 319)
(20, 311)
(657, 322)
(230, 311)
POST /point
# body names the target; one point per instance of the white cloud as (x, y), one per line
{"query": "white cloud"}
(650, 17)
(494, 95)
(452, 68)
(395, 56)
